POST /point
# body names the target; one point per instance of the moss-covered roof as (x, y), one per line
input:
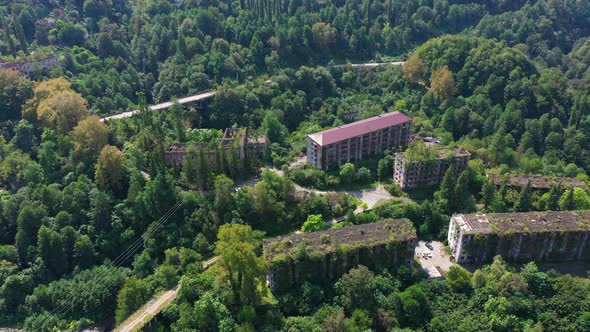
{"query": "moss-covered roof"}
(524, 222)
(421, 152)
(325, 242)
(537, 181)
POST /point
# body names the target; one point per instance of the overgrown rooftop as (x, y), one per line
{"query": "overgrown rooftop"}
(537, 181)
(524, 222)
(325, 242)
(418, 151)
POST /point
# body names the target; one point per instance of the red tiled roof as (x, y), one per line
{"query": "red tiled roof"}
(359, 128)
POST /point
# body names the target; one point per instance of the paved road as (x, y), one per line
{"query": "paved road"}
(189, 99)
(151, 309)
(154, 306)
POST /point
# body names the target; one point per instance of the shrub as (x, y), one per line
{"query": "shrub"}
(347, 173)
(363, 175)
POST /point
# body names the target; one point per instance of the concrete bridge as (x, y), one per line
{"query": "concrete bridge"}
(367, 65)
(207, 95)
(186, 100)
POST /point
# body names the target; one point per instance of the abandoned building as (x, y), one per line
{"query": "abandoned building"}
(323, 256)
(358, 140)
(246, 143)
(28, 67)
(415, 173)
(521, 237)
(538, 182)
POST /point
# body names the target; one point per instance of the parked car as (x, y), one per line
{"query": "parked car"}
(429, 246)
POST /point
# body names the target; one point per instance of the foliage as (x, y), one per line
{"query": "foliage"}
(518, 102)
(240, 266)
(314, 223)
(111, 170)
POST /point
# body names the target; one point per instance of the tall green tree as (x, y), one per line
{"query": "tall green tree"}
(223, 202)
(444, 197)
(29, 221)
(463, 200)
(552, 203)
(274, 129)
(131, 297)
(356, 289)
(51, 250)
(524, 203)
(7, 35)
(203, 168)
(189, 167)
(488, 191)
(238, 262)
(111, 171)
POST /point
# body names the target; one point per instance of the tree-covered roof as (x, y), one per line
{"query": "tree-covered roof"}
(524, 222)
(328, 241)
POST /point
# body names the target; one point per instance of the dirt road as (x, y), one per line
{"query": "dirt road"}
(154, 306)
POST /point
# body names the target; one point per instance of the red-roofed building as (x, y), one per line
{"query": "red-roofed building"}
(358, 140)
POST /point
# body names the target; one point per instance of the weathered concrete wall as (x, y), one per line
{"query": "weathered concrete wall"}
(523, 247)
(286, 273)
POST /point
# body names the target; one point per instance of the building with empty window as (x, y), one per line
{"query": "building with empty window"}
(358, 140)
(521, 237)
(321, 257)
(28, 67)
(412, 171)
(238, 144)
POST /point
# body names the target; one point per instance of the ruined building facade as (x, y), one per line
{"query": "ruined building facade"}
(239, 144)
(520, 237)
(28, 67)
(416, 174)
(358, 140)
(321, 257)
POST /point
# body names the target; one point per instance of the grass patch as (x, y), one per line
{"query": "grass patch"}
(354, 186)
(421, 194)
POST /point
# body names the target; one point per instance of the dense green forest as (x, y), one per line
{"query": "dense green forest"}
(93, 223)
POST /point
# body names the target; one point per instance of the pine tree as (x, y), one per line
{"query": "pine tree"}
(7, 36)
(189, 168)
(176, 111)
(203, 168)
(498, 205)
(566, 202)
(443, 198)
(555, 193)
(20, 33)
(488, 191)
(504, 189)
(462, 199)
(524, 202)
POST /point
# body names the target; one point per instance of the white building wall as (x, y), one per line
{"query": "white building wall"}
(455, 239)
